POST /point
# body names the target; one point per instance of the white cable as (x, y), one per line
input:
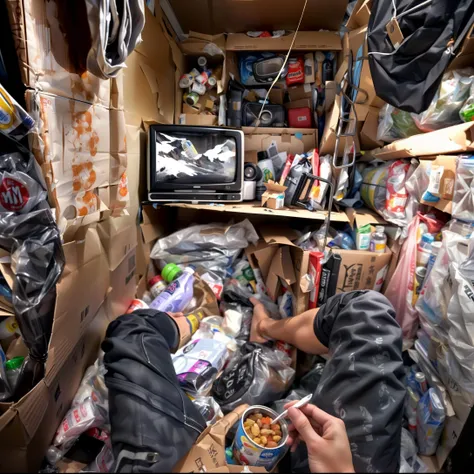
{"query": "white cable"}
(282, 68)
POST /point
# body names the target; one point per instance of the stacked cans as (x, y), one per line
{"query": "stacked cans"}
(197, 81)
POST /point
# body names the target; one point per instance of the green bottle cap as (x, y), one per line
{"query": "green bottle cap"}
(14, 363)
(171, 272)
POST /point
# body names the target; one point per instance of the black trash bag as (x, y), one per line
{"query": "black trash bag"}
(34, 243)
(256, 375)
(409, 76)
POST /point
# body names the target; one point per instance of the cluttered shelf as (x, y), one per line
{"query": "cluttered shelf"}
(254, 207)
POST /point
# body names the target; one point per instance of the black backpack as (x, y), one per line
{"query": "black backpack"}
(408, 77)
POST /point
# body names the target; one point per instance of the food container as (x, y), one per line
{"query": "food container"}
(249, 453)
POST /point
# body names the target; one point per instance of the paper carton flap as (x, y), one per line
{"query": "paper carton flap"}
(261, 255)
(282, 265)
(361, 217)
(273, 187)
(85, 248)
(150, 77)
(278, 235)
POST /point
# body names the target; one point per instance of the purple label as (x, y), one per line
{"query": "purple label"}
(172, 287)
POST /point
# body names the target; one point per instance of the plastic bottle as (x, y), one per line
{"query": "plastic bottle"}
(8, 327)
(421, 382)
(430, 417)
(435, 248)
(157, 285)
(378, 241)
(177, 295)
(363, 238)
(426, 242)
(13, 369)
(170, 272)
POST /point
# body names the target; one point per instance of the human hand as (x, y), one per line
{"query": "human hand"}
(259, 314)
(325, 437)
(176, 315)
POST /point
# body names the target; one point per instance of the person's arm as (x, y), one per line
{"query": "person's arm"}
(297, 331)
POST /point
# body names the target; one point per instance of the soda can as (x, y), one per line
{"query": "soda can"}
(136, 304)
(211, 82)
(198, 88)
(202, 62)
(191, 98)
(194, 73)
(249, 453)
(202, 78)
(186, 81)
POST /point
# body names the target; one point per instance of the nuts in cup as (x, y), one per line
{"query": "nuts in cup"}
(261, 431)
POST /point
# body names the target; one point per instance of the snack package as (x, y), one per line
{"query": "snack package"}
(295, 72)
(14, 120)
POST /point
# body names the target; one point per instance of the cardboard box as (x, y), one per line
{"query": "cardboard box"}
(291, 140)
(442, 176)
(28, 426)
(302, 91)
(368, 133)
(274, 196)
(232, 16)
(360, 14)
(200, 119)
(362, 270)
(118, 237)
(450, 140)
(51, 58)
(85, 150)
(297, 104)
(123, 286)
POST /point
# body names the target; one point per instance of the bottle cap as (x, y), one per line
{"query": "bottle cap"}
(14, 363)
(428, 238)
(380, 229)
(170, 272)
(190, 269)
(155, 280)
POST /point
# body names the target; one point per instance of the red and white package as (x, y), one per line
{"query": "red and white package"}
(77, 421)
(314, 270)
(295, 71)
(102, 463)
(397, 194)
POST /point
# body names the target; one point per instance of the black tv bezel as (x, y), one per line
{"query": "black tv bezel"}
(226, 188)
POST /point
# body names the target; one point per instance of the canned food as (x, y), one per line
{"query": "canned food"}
(191, 98)
(194, 73)
(211, 82)
(186, 81)
(202, 62)
(198, 88)
(157, 285)
(202, 78)
(137, 304)
(263, 452)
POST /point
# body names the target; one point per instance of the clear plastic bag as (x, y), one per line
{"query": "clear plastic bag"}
(430, 416)
(209, 409)
(395, 124)
(463, 199)
(212, 247)
(467, 111)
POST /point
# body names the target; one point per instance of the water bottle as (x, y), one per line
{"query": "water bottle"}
(424, 248)
(378, 241)
(435, 248)
(426, 242)
(177, 295)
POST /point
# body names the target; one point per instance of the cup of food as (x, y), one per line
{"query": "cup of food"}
(258, 441)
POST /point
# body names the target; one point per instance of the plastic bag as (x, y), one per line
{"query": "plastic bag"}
(444, 110)
(256, 375)
(102, 463)
(401, 291)
(395, 124)
(463, 199)
(430, 416)
(437, 291)
(467, 111)
(408, 449)
(198, 363)
(209, 409)
(212, 247)
(14, 121)
(34, 243)
(461, 320)
(22, 188)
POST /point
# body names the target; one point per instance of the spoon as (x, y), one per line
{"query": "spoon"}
(304, 401)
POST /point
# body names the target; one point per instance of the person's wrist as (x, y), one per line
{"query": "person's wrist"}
(262, 328)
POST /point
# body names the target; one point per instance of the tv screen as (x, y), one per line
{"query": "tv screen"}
(195, 158)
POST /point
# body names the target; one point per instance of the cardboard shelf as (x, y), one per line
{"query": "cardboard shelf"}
(254, 207)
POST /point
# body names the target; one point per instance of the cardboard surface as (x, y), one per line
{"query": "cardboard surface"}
(123, 285)
(201, 119)
(235, 16)
(368, 134)
(362, 270)
(85, 151)
(305, 41)
(456, 139)
(118, 236)
(274, 196)
(52, 40)
(149, 79)
(255, 208)
(291, 140)
(302, 91)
